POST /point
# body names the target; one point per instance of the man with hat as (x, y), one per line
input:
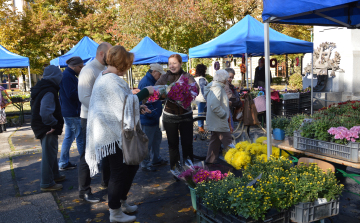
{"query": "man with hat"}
(47, 124)
(150, 121)
(70, 109)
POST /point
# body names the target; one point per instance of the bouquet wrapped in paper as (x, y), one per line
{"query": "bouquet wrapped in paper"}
(180, 91)
(194, 174)
(159, 90)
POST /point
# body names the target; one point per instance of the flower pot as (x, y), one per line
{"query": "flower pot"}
(193, 197)
(279, 134)
(291, 141)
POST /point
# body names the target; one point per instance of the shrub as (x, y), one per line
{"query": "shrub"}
(209, 78)
(277, 80)
(295, 81)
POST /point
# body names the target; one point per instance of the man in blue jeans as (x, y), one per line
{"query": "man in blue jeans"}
(70, 109)
(150, 121)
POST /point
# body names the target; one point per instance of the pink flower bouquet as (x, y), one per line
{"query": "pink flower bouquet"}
(198, 175)
(159, 90)
(182, 92)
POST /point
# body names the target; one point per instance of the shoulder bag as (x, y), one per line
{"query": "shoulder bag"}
(134, 142)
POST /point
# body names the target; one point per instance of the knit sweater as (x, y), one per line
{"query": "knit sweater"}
(87, 78)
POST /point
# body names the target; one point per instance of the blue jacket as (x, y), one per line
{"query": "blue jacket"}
(69, 99)
(151, 119)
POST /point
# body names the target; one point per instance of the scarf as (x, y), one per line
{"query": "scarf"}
(181, 71)
(105, 118)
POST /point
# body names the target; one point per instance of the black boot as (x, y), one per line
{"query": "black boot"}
(4, 127)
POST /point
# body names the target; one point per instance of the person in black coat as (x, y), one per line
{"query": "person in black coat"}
(260, 74)
(47, 124)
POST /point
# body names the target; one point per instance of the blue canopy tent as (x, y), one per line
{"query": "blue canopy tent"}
(85, 48)
(339, 13)
(344, 13)
(148, 52)
(247, 36)
(12, 60)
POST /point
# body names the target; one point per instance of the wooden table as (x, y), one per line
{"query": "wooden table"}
(284, 145)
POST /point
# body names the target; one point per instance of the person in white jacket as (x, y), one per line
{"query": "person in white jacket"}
(217, 116)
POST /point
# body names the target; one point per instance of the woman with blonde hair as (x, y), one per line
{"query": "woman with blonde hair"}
(104, 131)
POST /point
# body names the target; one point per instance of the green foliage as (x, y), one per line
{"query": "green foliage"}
(344, 114)
(280, 122)
(295, 124)
(277, 80)
(281, 186)
(295, 81)
(209, 78)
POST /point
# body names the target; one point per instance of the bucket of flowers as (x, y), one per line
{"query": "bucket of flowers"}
(194, 174)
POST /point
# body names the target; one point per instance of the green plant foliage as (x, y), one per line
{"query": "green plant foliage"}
(277, 80)
(209, 78)
(280, 122)
(281, 186)
(295, 81)
(295, 124)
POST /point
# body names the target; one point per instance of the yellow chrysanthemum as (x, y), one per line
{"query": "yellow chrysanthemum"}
(229, 155)
(261, 139)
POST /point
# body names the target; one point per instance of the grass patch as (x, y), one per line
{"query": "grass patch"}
(14, 177)
(11, 109)
(12, 148)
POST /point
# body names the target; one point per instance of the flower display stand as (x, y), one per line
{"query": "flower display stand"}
(349, 152)
(205, 215)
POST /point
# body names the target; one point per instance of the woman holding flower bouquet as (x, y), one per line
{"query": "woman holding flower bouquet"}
(104, 129)
(177, 116)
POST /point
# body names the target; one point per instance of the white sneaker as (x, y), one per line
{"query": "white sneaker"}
(116, 215)
(125, 207)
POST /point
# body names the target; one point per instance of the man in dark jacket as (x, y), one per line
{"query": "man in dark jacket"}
(260, 74)
(150, 121)
(47, 124)
(70, 109)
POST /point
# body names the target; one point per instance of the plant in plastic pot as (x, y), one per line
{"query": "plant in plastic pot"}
(294, 125)
(279, 124)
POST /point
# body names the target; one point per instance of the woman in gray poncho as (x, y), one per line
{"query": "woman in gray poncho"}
(104, 129)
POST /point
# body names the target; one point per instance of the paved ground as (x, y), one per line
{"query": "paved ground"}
(159, 196)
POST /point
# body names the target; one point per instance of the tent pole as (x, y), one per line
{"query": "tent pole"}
(250, 72)
(312, 84)
(131, 80)
(267, 88)
(29, 77)
(247, 72)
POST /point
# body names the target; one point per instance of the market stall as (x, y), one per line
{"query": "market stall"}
(85, 48)
(339, 13)
(148, 52)
(12, 60)
(247, 37)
